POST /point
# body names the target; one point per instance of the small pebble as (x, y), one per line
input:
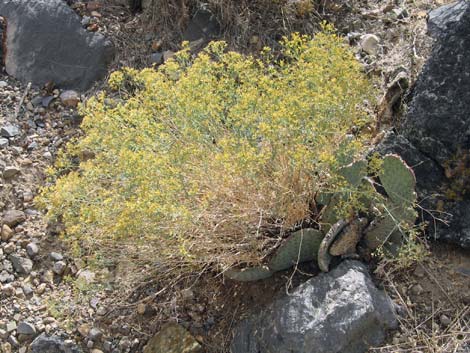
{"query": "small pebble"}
(370, 44)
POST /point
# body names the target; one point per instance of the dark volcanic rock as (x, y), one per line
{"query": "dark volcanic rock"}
(437, 127)
(46, 42)
(458, 231)
(52, 344)
(438, 122)
(203, 25)
(340, 311)
(443, 18)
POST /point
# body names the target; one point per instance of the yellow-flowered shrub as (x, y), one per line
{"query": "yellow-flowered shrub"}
(211, 160)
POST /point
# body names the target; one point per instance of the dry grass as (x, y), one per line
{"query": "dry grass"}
(246, 24)
(434, 321)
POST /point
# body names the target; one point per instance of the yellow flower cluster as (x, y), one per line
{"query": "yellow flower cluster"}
(209, 160)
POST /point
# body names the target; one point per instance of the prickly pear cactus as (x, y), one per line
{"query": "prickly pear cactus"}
(354, 175)
(398, 180)
(301, 246)
(396, 213)
(397, 209)
(354, 172)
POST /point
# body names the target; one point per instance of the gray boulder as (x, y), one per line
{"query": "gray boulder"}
(438, 121)
(336, 312)
(443, 18)
(52, 344)
(203, 26)
(46, 42)
(437, 127)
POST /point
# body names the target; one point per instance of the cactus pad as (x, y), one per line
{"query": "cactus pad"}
(398, 180)
(399, 183)
(387, 229)
(323, 254)
(301, 246)
(354, 172)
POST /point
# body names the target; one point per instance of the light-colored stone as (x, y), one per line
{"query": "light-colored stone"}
(141, 308)
(173, 338)
(7, 232)
(86, 276)
(11, 326)
(6, 347)
(48, 277)
(70, 98)
(445, 320)
(9, 248)
(10, 171)
(13, 217)
(168, 54)
(84, 329)
(95, 334)
(370, 44)
(55, 256)
(59, 267)
(9, 131)
(32, 249)
(41, 288)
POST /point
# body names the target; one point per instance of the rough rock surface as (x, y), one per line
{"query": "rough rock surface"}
(438, 122)
(13, 217)
(437, 127)
(203, 25)
(52, 344)
(21, 265)
(443, 18)
(46, 42)
(340, 311)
